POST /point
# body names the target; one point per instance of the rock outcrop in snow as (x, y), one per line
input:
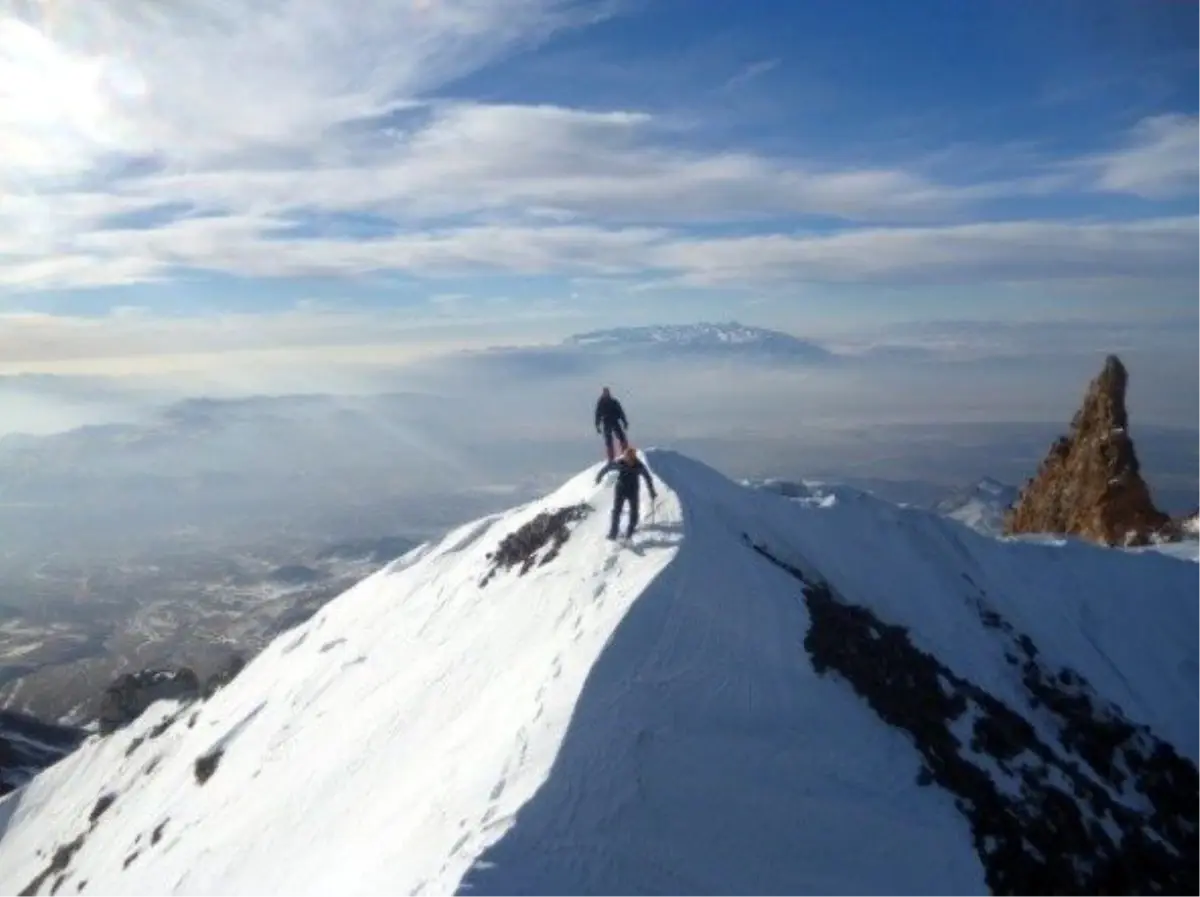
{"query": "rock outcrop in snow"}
(761, 694)
(1189, 525)
(1041, 821)
(131, 693)
(28, 745)
(1090, 483)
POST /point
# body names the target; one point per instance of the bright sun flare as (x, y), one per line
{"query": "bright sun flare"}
(56, 108)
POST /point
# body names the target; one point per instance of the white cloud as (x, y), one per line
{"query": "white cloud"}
(197, 81)
(249, 121)
(1161, 159)
(247, 139)
(998, 252)
(550, 162)
(995, 252)
(749, 73)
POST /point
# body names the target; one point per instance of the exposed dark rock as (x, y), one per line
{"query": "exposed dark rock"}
(57, 866)
(523, 544)
(224, 676)
(129, 696)
(163, 725)
(207, 764)
(1090, 483)
(157, 834)
(1042, 817)
(28, 745)
(102, 804)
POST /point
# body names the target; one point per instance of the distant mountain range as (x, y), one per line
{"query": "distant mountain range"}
(589, 353)
(729, 339)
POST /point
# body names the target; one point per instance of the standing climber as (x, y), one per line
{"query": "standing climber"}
(629, 468)
(610, 417)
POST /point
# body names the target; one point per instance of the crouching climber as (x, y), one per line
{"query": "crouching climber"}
(630, 470)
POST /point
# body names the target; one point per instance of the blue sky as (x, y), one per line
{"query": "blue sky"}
(227, 176)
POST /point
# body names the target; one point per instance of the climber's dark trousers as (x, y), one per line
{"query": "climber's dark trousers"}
(618, 502)
(611, 430)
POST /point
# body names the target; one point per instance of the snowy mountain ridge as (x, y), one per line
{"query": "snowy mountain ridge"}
(704, 337)
(686, 334)
(760, 694)
(982, 506)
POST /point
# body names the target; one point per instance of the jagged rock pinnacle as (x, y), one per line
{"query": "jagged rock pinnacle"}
(1090, 482)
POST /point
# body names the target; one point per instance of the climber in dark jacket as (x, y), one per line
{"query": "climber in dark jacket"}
(610, 417)
(629, 468)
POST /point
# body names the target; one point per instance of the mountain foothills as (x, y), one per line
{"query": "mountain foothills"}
(773, 687)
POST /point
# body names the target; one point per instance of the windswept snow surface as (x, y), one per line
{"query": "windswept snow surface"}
(619, 719)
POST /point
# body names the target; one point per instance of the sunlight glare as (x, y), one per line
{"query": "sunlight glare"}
(57, 110)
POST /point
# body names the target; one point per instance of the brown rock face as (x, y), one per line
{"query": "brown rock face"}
(1089, 484)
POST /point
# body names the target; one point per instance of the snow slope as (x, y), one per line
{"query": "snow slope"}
(617, 719)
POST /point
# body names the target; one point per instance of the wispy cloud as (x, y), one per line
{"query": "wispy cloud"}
(1161, 159)
(197, 83)
(749, 73)
(1001, 252)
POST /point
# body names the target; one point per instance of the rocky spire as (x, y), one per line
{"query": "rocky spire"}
(1089, 484)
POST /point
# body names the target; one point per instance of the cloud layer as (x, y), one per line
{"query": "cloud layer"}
(296, 138)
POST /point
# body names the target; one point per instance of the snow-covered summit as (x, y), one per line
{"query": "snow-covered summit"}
(726, 339)
(760, 694)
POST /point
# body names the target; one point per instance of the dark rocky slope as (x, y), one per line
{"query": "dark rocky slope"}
(1102, 807)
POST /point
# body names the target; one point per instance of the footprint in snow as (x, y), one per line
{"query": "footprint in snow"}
(236, 729)
(497, 790)
(295, 643)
